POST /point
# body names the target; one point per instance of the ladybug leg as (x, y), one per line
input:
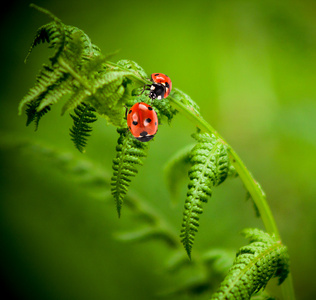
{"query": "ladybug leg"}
(146, 87)
(126, 109)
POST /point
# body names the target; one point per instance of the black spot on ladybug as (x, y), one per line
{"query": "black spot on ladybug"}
(156, 74)
(144, 133)
(148, 120)
(145, 138)
(135, 123)
(130, 111)
(155, 123)
(150, 108)
(167, 85)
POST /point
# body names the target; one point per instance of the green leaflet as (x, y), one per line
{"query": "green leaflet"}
(264, 258)
(129, 154)
(163, 109)
(185, 99)
(46, 81)
(33, 114)
(81, 129)
(209, 168)
(132, 66)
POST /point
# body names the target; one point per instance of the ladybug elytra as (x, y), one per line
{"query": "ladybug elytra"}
(142, 121)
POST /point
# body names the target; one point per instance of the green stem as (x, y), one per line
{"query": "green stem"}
(250, 183)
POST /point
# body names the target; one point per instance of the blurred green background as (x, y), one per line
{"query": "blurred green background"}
(250, 66)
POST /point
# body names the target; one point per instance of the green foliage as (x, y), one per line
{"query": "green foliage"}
(210, 165)
(96, 86)
(84, 115)
(264, 258)
(76, 169)
(78, 68)
(33, 114)
(129, 154)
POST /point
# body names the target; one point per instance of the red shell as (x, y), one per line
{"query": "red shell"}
(162, 79)
(142, 121)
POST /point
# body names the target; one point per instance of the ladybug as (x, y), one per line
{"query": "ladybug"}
(142, 121)
(161, 86)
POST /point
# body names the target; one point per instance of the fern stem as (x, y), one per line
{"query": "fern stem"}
(250, 183)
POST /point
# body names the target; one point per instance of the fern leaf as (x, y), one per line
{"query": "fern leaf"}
(76, 98)
(185, 99)
(55, 92)
(129, 154)
(209, 168)
(33, 114)
(81, 130)
(132, 66)
(47, 77)
(176, 169)
(54, 33)
(77, 67)
(163, 108)
(264, 258)
(111, 95)
(41, 36)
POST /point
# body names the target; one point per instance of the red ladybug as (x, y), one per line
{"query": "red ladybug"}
(160, 87)
(142, 121)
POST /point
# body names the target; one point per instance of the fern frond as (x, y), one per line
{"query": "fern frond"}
(132, 66)
(48, 77)
(176, 170)
(55, 32)
(55, 92)
(81, 129)
(34, 115)
(210, 162)
(129, 154)
(264, 258)
(185, 99)
(75, 100)
(163, 108)
(41, 36)
(78, 68)
(72, 48)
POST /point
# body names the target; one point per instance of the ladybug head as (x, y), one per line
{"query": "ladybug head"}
(157, 91)
(145, 137)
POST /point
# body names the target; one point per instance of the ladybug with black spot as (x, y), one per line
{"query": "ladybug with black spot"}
(142, 121)
(161, 86)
